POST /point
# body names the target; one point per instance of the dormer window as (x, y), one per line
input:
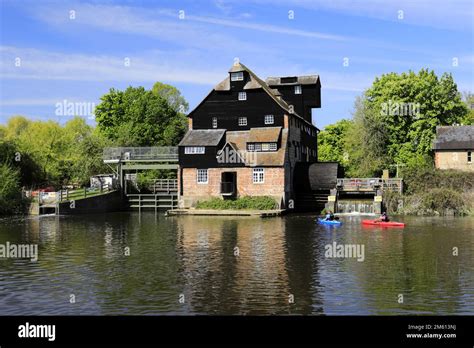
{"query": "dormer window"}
(237, 76)
(242, 95)
(298, 89)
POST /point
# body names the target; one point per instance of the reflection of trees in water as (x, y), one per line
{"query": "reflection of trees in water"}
(417, 265)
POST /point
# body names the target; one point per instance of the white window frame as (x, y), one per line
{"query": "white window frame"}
(200, 175)
(242, 96)
(298, 89)
(214, 122)
(469, 157)
(250, 147)
(269, 119)
(242, 121)
(194, 150)
(273, 147)
(265, 147)
(237, 76)
(258, 175)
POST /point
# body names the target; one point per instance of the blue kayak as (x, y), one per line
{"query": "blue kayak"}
(329, 222)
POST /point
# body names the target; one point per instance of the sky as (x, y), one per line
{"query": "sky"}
(72, 52)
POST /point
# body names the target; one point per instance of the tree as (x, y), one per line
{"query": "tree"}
(172, 95)
(395, 121)
(137, 117)
(331, 142)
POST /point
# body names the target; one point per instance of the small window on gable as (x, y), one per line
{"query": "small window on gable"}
(242, 95)
(269, 119)
(298, 89)
(237, 76)
(242, 121)
(214, 122)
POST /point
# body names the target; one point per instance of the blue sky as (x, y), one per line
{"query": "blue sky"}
(77, 56)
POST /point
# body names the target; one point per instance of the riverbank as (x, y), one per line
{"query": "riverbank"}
(227, 212)
(433, 192)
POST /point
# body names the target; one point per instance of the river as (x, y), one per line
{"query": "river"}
(227, 265)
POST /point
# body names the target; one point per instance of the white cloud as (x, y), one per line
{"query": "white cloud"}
(450, 14)
(157, 66)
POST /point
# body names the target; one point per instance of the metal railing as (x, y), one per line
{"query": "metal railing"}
(370, 184)
(156, 153)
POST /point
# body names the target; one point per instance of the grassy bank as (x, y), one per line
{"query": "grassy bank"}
(433, 192)
(247, 203)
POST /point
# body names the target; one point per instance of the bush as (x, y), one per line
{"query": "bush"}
(425, 179)
(442, 200)
(253, 203)
(10, 193)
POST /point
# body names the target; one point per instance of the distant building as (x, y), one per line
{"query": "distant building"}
(247, 136)
(99, 180)
(454, 147)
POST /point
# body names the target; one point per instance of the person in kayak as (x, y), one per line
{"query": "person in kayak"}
(329, 216)
(384, 217)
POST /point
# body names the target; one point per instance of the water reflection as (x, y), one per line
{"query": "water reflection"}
(227, 265)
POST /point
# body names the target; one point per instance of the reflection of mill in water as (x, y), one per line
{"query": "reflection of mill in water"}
(245, 266)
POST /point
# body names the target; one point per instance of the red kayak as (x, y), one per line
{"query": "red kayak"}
(382, 223)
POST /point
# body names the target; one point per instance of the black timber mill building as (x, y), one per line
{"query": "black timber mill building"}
(250, 137)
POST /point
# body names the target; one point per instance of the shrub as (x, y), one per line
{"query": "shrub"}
(10, 193)
(441, 200)
(247, 202)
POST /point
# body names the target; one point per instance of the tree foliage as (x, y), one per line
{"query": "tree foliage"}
(395, 120)
(138, 117)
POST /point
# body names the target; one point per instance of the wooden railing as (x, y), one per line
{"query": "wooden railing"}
(167, 185)
(69, 195)
(370, 184)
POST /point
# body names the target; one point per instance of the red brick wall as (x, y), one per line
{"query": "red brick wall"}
(274, 183)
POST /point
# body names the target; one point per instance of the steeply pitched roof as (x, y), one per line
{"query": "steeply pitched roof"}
(202, 137)
(454, 138)
(300, 80)
(254, 83)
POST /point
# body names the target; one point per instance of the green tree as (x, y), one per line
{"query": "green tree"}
(331, 142)
(137, 117)
(395, 121)
(172, 95)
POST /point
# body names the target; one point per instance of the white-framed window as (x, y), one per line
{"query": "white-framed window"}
(242, 95)
(237, 76)
(201, 176)
(298, 89)
(258, 147)
(214, 122)
(250, 147)
(242, 121)
(273, 146)
(269, 119)
(469, 157)
(265, 146)
(258, 175)
(194, 150)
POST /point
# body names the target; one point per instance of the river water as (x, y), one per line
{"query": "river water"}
(228, 265)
